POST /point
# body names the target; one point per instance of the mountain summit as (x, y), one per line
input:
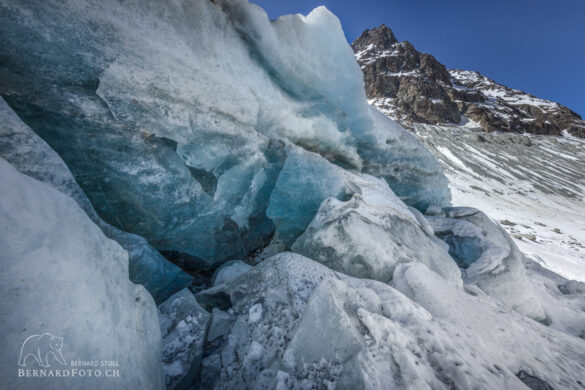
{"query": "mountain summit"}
(410, 86)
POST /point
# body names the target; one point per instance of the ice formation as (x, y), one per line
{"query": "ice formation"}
(493, 261)
(174, 119)
(61, 275)
(369, 234)
(183, 325)
(20, 146)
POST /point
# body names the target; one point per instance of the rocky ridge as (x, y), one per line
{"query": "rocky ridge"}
(413, 87)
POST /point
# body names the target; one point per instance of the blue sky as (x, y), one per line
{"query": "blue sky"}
(533, 45)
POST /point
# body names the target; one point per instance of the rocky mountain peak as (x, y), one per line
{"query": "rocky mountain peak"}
(413, 87)
(381, 37)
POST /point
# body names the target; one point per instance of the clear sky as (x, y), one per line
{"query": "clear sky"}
(534, 45)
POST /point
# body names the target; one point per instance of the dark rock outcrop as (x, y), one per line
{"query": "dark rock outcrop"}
(413, 87)
(401, 81)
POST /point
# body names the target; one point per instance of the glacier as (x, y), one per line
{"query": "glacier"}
(493, 261)
(174, 120)
(203, 129)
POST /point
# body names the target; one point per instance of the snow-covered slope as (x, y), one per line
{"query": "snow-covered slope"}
(497, 107)
(534, 185)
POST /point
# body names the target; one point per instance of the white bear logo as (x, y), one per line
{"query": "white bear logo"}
(40, 347)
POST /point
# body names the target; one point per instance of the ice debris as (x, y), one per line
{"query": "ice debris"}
(490, 257)
(183, 324)
(369, 234)
(322, 329)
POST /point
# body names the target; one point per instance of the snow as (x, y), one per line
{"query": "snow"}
(385, 106)
(571, 138)
(411, 73)
(494, 91)
(372, 54)
(465, 76)
(447, 153)
(505, 343)
(538, 189)
(62, 275)
(255, 313)
(469, 123)
(361, 53)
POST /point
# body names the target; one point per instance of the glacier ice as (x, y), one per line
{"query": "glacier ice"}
(20, 146)
(304, 182)
(183, 325)
(173, 119)
(62, 275)
(493, 261)
(369, 234)
(322, 329)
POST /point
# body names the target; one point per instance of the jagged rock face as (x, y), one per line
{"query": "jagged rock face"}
(410, 86)
(402, 82)
(497, 107)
